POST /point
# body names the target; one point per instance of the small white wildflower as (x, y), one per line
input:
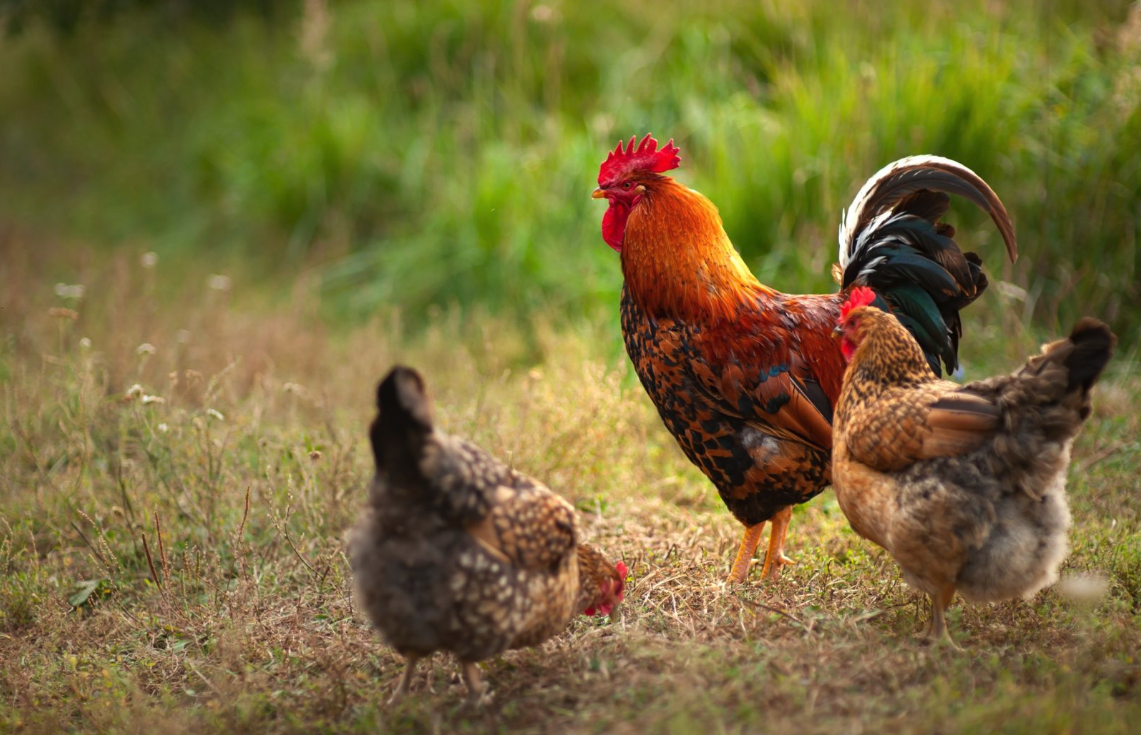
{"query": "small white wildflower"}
(65, 291)
(1011, 291)
(215, 413)
(149, 260)
(218, 282)
(163, 428)
(85, 343)
(182, 336)
(1084, 588)
(153, 399)
(134, 391)
(146, 348)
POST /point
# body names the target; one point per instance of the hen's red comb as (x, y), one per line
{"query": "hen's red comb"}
(860, 296)
(646, 157)
(621, 569)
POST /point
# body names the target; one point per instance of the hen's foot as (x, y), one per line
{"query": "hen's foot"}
(478, 693)
(405, 681)
(937, 632)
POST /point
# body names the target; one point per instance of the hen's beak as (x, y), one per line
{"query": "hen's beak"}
(837, 332)
(614, 614)
(598, 194)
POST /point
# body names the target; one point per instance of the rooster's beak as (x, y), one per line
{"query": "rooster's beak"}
(837, 332)
(598, 194)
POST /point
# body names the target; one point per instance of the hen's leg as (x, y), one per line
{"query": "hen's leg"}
(476, 689)
(745, 553)
(406, 680)
(775, 558)
(937, 630)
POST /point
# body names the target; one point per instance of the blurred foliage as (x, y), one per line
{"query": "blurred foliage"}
(64, 16)
(426, 153)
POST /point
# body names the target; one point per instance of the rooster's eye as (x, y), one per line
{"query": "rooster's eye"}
(626, 185)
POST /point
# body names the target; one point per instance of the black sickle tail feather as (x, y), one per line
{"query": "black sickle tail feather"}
(399, 431)
(892, 241)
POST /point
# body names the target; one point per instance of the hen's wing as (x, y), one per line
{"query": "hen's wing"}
(528, 525)
(515, 517)
(907, 425)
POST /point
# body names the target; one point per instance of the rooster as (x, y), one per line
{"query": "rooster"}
(745, 377)
(458, 552)
(963, 484)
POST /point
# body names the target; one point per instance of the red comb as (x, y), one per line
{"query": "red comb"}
(860, 296)
(646, 157)
(621, 567)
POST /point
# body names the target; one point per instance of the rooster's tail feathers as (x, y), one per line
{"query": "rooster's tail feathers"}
(897, 181)
(891, 240)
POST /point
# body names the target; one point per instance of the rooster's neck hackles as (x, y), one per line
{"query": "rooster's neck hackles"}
(678, 261)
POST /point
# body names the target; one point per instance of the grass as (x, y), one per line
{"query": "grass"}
(388, 180)
(178, 564)
(439, 153)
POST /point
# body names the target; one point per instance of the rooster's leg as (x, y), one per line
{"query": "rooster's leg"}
(745, 553)
(406, 680)
(476, 689)
(775, 558)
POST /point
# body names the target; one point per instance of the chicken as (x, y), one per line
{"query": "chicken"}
(458, 552)
(746, 377)
(963, 484)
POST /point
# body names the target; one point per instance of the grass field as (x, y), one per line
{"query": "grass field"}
(432, 153)
(215, 237)
(172, 554)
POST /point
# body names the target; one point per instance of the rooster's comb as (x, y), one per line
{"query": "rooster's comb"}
(646, 157)
(860, 296)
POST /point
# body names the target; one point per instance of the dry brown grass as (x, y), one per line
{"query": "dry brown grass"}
(208, 615)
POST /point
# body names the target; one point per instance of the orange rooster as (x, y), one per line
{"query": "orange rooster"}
(744, 376)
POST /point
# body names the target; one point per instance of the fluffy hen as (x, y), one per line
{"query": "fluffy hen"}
(458, 552)
(963, 484)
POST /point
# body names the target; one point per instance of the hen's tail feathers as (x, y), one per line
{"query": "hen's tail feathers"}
(1084, 354)
(405, 420)
(891, 240)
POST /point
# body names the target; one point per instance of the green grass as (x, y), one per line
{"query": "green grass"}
(436, 153)
(140, 592)
(410, 181)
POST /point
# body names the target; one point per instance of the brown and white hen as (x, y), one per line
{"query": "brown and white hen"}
(458, 552)
(963, 484)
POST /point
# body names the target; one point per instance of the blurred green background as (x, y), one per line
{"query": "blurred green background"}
(437, 153)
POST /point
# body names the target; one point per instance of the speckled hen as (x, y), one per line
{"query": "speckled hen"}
(963, 484)
(458, 552)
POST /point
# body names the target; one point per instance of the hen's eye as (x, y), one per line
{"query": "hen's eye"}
(626, 185)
